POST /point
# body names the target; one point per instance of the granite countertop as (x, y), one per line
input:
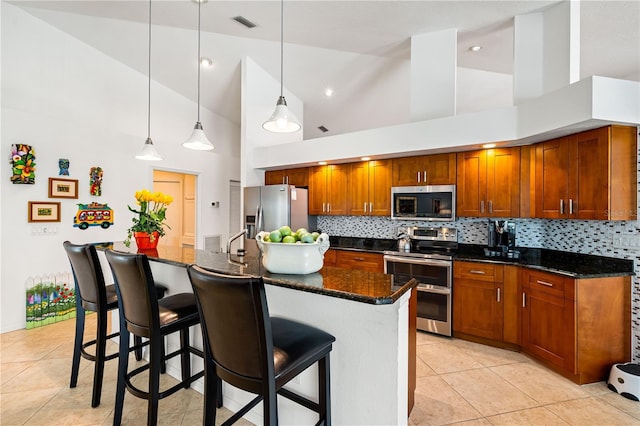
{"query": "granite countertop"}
(360, 286)
(575, 265)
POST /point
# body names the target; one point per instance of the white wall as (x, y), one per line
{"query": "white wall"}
(69, 100)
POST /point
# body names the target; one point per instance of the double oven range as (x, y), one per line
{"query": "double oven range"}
(429, 259)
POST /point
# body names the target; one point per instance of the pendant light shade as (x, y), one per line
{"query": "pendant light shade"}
(149, 152)
(282, 120)
(198, 140)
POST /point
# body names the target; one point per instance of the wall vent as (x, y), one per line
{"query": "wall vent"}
(323, 129)
(212, 243)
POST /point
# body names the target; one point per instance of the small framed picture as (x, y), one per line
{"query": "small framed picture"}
(63, 188)
(44, 211)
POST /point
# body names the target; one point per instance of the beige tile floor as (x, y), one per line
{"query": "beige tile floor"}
(458, 383)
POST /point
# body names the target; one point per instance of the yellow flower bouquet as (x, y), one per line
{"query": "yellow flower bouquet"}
(151, 215)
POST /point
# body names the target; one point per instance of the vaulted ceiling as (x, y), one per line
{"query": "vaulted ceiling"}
(360, 49)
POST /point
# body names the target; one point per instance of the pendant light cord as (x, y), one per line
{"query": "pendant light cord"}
(149, 84)
(199, 6)
(281, 45)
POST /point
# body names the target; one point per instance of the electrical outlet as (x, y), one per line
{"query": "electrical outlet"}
(626, 241)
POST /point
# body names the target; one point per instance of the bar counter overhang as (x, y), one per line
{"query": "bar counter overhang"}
(367, 313)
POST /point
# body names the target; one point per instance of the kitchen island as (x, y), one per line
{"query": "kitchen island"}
(368, 313)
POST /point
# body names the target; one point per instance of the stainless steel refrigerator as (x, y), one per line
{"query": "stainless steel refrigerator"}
(269, 207)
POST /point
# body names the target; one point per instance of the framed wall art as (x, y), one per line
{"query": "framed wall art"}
(63, 188)
(44, 211)
(23, 164)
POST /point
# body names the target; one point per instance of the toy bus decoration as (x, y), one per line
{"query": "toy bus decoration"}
(93, 214)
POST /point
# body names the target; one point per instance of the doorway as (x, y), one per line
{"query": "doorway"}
(181, 214)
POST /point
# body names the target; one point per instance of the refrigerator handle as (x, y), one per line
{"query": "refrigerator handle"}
(259, 219)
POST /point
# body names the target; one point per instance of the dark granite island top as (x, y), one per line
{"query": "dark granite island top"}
(360, 286)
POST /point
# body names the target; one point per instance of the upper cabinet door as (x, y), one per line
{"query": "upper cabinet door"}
(379, 188)
(503, 182)
(552, 179)
(358, 189)
(471, 184)
(337, 189)
(317, 190)
(437, 169)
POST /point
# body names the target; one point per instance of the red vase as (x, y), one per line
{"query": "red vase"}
(146, 241)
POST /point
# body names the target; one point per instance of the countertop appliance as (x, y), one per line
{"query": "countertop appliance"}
(501, 239)
(428, 202)
(269, 207)
(430, 261)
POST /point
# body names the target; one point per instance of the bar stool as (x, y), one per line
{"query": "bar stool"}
(92, 294)
(252, 351)
(142, 314)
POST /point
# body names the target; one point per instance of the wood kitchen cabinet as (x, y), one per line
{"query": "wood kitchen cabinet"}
(488, 183)
(298, 177)
(578, 327)
(369, 188)
(437, 169)
(478, 307)
(363, 261)
(589, 175)
(328, 190)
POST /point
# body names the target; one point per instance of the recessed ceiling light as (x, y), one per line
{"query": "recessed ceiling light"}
(322, 163)
(489, 145)
(365, 158)
(206, 62)
(328, 92)
(475, 48)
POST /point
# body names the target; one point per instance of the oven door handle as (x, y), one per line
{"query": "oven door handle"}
(417, 261)
(433, 290)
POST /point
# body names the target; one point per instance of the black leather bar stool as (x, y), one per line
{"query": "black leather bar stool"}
(142, 314)
(252, 351)
(92, 294)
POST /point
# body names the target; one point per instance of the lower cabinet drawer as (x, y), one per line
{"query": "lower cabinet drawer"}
(363, 261)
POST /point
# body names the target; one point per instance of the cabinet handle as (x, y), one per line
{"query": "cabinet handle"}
(570, 205)
(545, 283)
(284, 180)
(418, 178)
(370, 208)
(424, 176)
(323, 208)
(476, 271)
(524, 300)
(328, 207)
(498, 293)
(561, 206)
(482, 206)
(359, 259)
(365, 207)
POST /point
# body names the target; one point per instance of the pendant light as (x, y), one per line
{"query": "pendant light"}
(282, 120)
(148, 151)
(198, 140)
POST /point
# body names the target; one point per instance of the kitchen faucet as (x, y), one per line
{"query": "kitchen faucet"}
(235, 237)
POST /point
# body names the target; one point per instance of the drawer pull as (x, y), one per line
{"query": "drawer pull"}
(545, 283)
(359, 259)
(476, 271)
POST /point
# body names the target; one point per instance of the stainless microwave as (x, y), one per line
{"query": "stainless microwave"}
(429, 202)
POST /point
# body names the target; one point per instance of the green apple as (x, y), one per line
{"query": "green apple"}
(315, 235)
(289, 239)
(307, 238)
(275, 236)
(285, 230)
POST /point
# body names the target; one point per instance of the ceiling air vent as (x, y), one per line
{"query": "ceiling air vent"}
(323, 129)
(244, 21)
